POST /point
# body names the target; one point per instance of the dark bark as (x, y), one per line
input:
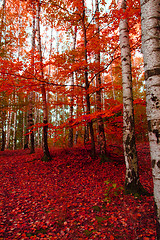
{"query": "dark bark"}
(31, 123)
(46, 156)
(90, 124)
(70, 144)
(26, 138)
(86, 134)
(3, 140)
(102, 138)
(32, 149)
(70, 138)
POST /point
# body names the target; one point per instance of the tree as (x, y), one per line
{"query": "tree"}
(132, 182)
(30, 112)
(90, 124)
(102, 140)
(46, 152)
(70, 142)
(150, 15)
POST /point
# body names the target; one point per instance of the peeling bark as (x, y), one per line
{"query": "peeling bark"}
(132, 183)
(150, 21)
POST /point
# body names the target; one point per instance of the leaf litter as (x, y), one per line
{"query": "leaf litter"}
(73, 196)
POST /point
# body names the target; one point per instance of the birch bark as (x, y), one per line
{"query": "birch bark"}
(150, 22)
(132, 183)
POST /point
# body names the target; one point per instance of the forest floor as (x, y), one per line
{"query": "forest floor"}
(73, 197)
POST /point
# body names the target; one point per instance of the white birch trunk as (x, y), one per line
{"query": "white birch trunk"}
(132, 177)
(150, 21)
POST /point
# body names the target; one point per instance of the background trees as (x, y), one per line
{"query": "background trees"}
(97, 57)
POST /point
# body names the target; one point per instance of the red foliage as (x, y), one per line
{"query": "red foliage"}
(64, 199)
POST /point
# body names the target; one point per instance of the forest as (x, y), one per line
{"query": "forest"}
(80, 119)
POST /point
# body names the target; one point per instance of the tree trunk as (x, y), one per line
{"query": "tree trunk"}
(2, 21)
(46, 152)
(70, 142)
(70, 137)
(132, 183)
(1, 53)
(23, 138)
(102, 139)
(113, 90)
(30, 122)
(8, 129)
(3, 140)
(3, 133)
(90, 124)
(30, 112)
(14, 129)
(150, 15)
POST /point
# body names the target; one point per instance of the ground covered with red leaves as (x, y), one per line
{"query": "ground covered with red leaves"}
(73, 197)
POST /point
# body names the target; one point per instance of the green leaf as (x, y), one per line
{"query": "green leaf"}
(107, 181)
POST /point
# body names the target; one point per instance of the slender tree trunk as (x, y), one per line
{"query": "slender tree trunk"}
(2, 20)
(14, 130)
(70, 142)
(23, 129)
(77, 114)
(1, 52)
(26, 138)
(102, 139)
(8, 130)
(46, 152)
(90, 124)
(15, 120)
(30, 122)
(3, 131)
(150, 21)
(30, 112)
(113, 90)
(39, 140)
(3, 140)
(70, 138)
(132, 183)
